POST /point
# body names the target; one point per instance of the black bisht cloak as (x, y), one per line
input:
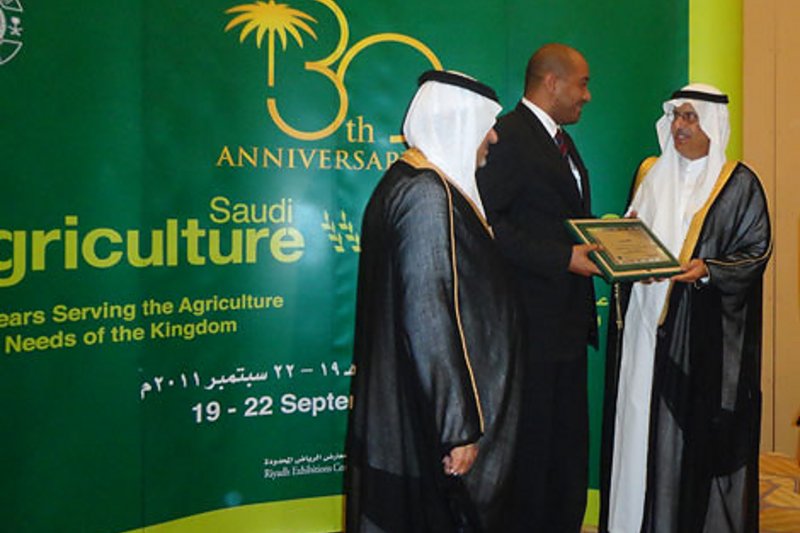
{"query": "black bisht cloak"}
(702, 465)
(435, 351)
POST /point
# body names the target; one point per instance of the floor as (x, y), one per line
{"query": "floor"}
(780, 495)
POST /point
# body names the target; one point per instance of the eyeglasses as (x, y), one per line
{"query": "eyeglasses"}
(689, 117)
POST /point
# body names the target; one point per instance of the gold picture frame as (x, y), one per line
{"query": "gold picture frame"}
(630, 251)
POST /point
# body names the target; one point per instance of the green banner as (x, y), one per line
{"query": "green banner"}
(179, 233)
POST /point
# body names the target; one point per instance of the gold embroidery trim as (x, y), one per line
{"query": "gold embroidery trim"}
(696, 225)
(416, 159)
(644, 168)
(767, 253)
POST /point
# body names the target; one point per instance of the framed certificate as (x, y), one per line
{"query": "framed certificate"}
(630, 250)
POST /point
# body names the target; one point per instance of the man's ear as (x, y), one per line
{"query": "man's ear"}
(550, 81)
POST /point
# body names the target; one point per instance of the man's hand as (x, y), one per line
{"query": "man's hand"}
(580, 263)
(460, 459)
(692, 271)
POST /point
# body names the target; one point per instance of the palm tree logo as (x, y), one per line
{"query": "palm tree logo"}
(273, 18)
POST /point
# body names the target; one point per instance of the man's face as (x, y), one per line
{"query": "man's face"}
(571, 92)
(483, 149)
(690, 140)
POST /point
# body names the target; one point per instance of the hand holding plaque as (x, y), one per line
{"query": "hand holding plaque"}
(630, 251)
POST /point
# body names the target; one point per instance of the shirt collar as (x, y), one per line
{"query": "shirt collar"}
(546, 120)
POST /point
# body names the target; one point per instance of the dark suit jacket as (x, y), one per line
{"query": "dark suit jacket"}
(528, 191)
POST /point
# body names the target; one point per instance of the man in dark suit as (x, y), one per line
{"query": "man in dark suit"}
(533, 182)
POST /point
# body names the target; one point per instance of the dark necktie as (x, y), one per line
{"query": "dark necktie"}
(563, 147)
(561, 142)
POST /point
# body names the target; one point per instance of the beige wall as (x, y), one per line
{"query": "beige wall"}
(772, 147)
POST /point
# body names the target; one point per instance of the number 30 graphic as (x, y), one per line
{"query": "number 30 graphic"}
(279, 19)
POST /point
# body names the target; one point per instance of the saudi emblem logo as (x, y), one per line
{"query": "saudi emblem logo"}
(10, 29)
(270, 18)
